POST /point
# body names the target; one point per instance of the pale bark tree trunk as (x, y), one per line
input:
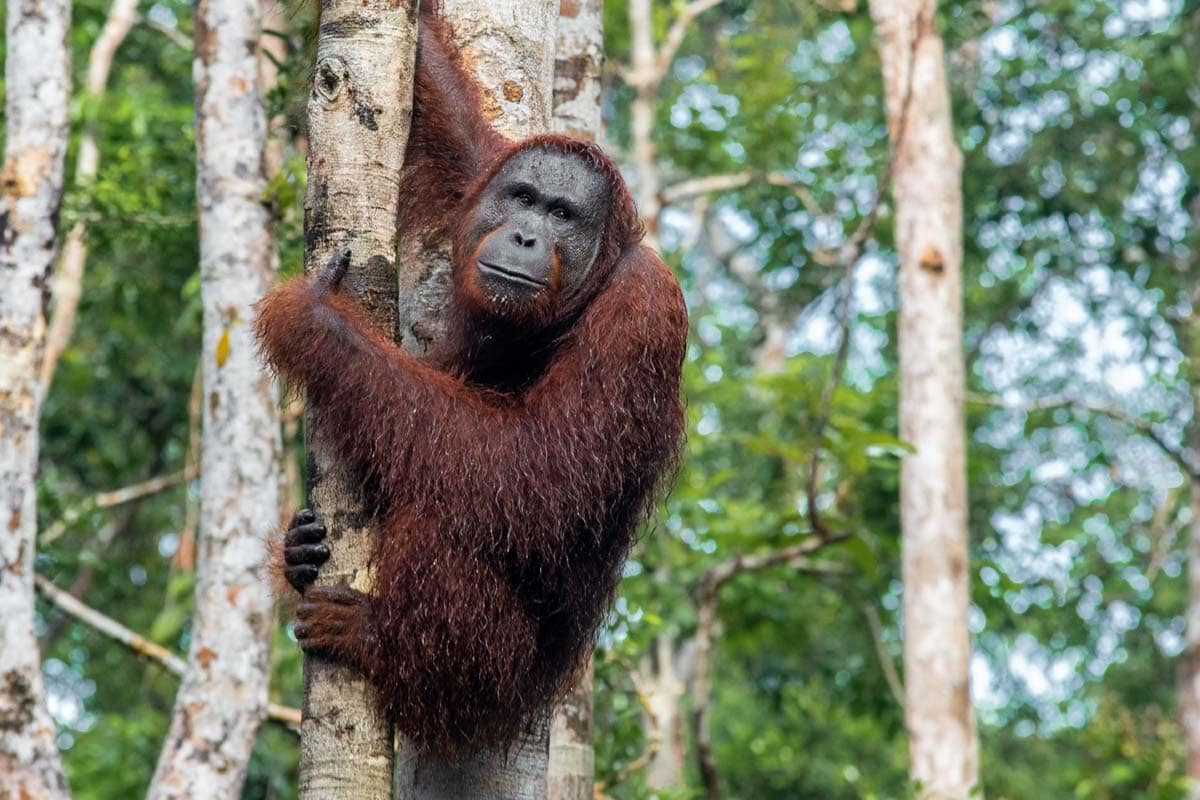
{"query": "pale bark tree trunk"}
(508, 46)
(359, 110)
(578, 59)
(644, 78)
(571, 765)
(647, 67)
(222, 699)
(68, 280)
(1189, 688)
(943, 749)
(1189, 662)
(665, 680)
(37, 82)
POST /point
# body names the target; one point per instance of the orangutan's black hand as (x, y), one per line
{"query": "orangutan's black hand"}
(303, 552)
(330, 277)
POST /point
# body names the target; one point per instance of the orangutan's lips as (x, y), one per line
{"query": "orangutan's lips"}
(511, 275)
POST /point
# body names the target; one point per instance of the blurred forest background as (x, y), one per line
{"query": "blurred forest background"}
(1077, 120)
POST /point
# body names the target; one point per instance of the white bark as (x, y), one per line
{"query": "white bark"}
(359, 110)
(222, 699)
(37, 82)
(571, 765)
(578, 61)
(578, 58)
(927, 189)
(1189, 683)
(68, 280)
(665, 683)
(508, 47)
(644, 77)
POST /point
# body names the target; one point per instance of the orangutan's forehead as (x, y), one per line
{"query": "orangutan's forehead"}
(556, 173)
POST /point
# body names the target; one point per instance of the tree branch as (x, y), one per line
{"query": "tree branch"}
(177, 36)
(885, 659)
(706, 633)
(694, 187)
(677, 31)
(289, 717)
(116, 497)
(1177, 454)
(653, 740)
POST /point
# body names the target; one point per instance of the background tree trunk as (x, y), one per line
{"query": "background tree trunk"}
(223, 697)
(37, 83)
(507, 46)
(1189, 662)
(943, 749)
(68, 280)
(359, 111)
(665, 678)
(578, 60)
(644, 78)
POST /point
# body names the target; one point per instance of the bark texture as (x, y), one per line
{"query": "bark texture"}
(578, 59)
(665, 678)
(37, 82)
(507, 45)
(222, 699)
(68, 281)
(571, 767)
(943, 749)
(359, 110)
(645, 76)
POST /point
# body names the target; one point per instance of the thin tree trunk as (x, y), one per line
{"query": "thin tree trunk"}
(1189, 684)
(506, 46)
(68, 280)
(645, 78)
(359, 111)
(37, 82)
(578, 59)
(943, 749)
(1189, 663)
(666, 680)
(222, 699)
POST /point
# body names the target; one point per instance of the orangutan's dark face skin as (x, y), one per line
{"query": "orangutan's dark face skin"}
(539, 225)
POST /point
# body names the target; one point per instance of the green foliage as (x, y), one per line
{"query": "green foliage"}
(1077, 123)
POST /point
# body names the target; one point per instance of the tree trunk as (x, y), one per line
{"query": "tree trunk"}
(1189, 662)
(665, 681)
(222, 699)
(68, 281)
(37, 82)
(505, 45)
(359, 110)
(1189, 684)
(644, 80)
(578, 59)
(571, 766)
(943, 750)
